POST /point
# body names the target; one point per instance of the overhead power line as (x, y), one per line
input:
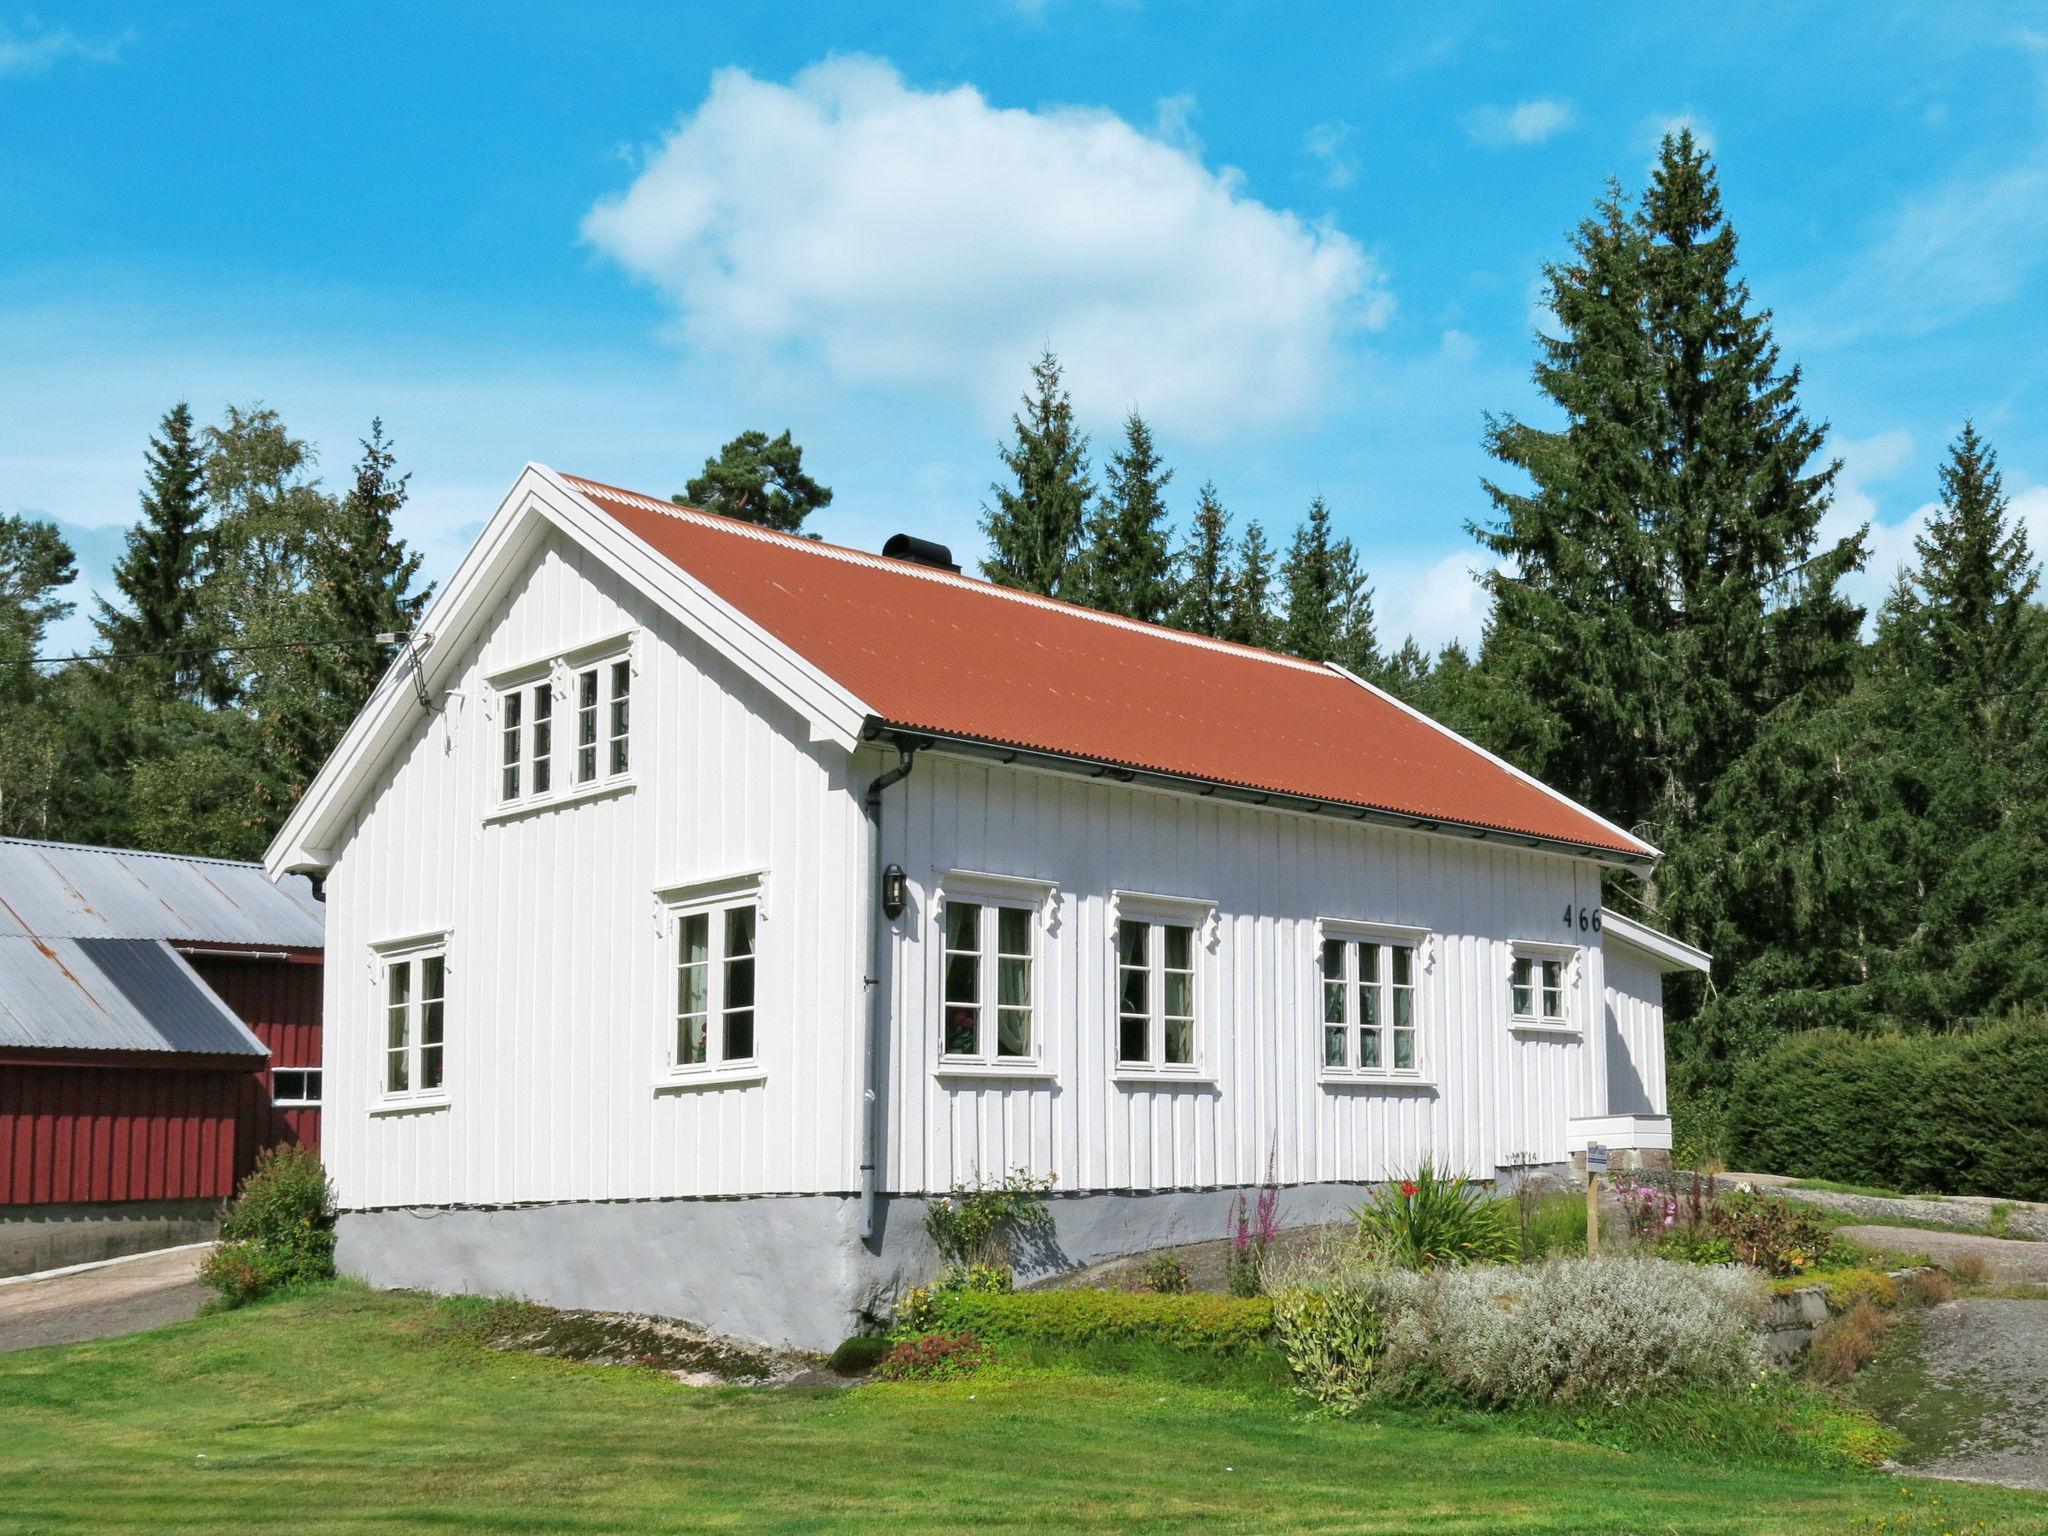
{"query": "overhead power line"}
(387, 637)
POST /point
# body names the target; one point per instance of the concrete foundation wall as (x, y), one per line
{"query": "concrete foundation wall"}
(39, 1237)
(788, 1270)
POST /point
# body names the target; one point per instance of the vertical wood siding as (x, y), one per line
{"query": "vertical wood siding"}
(280, 1001)
(558, 978)
(1635, 1032)
(88, 1134)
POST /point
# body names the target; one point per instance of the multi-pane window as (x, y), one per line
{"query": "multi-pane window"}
(1369, 1014)
(604, 718)
(415, 1000)
(988, 962)
(714, 985)
(526, 741)
(1536, 993)
(1155, 993)
(295, 1085)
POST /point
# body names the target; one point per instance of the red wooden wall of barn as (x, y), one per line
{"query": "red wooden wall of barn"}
(75, 1134)
(78, 1133)
(280, 1001)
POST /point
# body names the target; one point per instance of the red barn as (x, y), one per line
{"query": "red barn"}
(159, 1026)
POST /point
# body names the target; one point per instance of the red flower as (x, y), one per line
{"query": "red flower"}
(1410, 1188)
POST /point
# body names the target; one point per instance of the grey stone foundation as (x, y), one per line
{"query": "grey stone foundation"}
(788, 1270)
(39, 1237)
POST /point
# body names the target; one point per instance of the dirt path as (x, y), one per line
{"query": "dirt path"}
(102, 1303)
(1971, 1395)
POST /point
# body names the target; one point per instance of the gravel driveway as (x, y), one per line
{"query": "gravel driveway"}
(102, 1303)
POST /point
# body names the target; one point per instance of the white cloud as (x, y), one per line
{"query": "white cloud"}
(1658, 124)
(852, 228)
(1435, 603)
(1528, 122)
(34, 50)
(1173, 122)
(1329, 144)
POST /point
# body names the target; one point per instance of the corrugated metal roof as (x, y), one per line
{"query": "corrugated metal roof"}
(63, 890)
(927, 649)
(112, 995)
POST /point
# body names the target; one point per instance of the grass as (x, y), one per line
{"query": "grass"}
(339, 1410)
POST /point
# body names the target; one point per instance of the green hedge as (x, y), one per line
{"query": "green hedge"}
(1218, 1324)
(1963, 1114)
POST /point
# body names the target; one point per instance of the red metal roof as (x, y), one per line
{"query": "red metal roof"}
(929, 650)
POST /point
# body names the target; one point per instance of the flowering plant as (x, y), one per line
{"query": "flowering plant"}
(1432, 1220)
(1251, 1233)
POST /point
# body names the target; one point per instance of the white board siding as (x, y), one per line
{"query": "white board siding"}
(1635, 1025)
(1271, 875)
(558, 974)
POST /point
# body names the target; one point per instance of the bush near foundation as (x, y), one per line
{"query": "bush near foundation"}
(1959, 1114)
(278, 1233)
(1217, 1324)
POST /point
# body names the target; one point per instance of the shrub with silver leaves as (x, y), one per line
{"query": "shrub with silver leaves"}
(1574, 1329)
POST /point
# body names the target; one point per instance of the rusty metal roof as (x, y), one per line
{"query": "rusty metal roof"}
(112, 995)
(67, 891)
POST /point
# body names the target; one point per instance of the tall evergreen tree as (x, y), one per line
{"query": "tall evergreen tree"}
(758, 479)
(36, 564)
(1666, 587)
(367, 573)
(1126, 565)
(1202, 604)
(1977, 574)
(1329, 607)
(1250, 620)
(160, 571)
(1034, 524)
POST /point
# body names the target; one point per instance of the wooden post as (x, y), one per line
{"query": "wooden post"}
(1592, 1214)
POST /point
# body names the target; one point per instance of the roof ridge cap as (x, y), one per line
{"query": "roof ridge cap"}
(719, 523)
(128, 853)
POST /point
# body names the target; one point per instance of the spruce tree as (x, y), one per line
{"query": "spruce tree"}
(367, 574)
(160, 571)
(1665, 587)
(758, 479)
(1329, 607)
(1202, 605)
(1977, 574)
(1034, 524)
(1250, 620)
(1126, 566)
(36, 564)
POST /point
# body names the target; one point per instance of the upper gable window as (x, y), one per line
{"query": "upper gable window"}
(589, 691)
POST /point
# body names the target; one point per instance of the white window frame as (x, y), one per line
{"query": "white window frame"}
(1386, 937)
(1159, 913)
(309, 1084)
(1539, 1020)
(413, 953)
(993, 894)
(553, 742)
(710, 900)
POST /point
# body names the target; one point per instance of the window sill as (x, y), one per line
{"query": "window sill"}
(1374, 1080)
(1143, 1078)
(723, 1077)
(418, 1106)
(524, 808)
(1531, 1027)
(972, 1071)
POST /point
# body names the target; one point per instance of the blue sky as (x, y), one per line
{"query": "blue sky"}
(1306, 242)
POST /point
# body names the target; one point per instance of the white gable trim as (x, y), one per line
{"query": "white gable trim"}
(1669, 953)
(1647, 852)
(538, 501)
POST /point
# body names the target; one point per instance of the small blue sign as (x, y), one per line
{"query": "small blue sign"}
(1596, 1159)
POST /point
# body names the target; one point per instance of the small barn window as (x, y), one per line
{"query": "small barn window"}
(1155, 993)
(1537, 987)
(988, 966)
(291, 1087)
(1370, 1019)
(415, 1023)
(712, 985)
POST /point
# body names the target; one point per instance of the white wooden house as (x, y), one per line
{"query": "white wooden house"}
(699, 898)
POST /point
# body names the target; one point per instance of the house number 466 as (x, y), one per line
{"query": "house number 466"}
(1584, 919)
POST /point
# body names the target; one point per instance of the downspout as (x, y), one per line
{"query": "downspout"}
(879, 925)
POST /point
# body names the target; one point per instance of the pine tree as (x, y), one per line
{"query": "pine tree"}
(160, 572)
(1329, 607)
(1125, 566)
(1977, 574)
(1250, 621)
(758, 479)
(367, 574)
(1034, 526)
(1666, 590)
(36, 564)
(1202, 605)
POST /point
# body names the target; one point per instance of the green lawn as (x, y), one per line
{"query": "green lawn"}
(347, 1412)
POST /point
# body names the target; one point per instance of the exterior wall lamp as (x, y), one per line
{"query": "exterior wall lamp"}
(895, 892)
